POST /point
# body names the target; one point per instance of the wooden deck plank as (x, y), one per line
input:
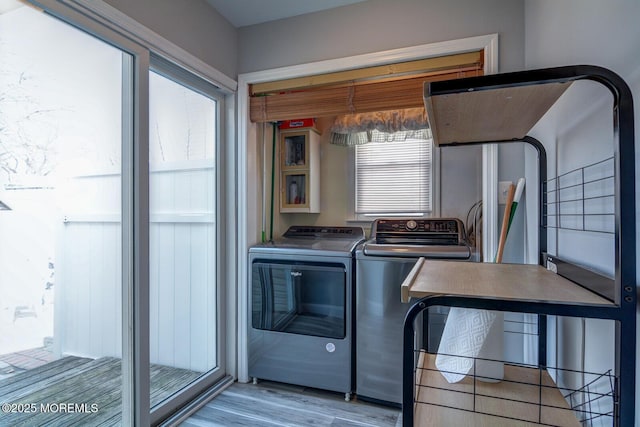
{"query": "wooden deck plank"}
(72, 389)
(166, 380)
(44, 382)
(81, 380)
(110, 401)
(31, 376)
(99, 381)
(174, 380)
(101, 388)
(111, 410)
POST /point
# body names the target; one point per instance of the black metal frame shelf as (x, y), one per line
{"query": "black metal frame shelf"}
(621, 289)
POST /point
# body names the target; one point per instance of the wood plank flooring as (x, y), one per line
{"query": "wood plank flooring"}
(273, 404)
(77, 380)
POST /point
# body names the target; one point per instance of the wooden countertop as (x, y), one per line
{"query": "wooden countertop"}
(521, 282)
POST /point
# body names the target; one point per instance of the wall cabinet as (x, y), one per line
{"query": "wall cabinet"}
(300, 171)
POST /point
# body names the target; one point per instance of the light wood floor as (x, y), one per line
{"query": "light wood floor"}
(275, 404)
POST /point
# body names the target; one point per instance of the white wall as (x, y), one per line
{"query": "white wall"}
(191, 24)
(585, 32)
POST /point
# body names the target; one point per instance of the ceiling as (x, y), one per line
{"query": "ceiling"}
(248, 12)
(9, 5)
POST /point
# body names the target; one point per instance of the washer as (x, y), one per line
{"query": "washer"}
(382, 264)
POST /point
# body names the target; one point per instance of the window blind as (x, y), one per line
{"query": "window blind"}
(394, 177)
(386, 87)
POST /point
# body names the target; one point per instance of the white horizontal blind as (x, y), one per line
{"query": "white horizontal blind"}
(394, 177)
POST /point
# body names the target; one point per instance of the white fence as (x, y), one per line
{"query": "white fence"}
(183, 315)
(27, 233)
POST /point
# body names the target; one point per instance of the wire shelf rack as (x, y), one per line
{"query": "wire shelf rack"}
(583, 199)
(527, 393)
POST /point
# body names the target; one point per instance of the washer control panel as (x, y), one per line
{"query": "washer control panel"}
(436, 225)
(419, 230)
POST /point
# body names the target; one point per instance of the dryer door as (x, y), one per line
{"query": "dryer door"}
(299, 298)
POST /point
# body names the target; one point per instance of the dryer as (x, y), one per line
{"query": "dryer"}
(301, 299)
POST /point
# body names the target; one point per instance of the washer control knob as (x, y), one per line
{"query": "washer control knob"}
(411, 225)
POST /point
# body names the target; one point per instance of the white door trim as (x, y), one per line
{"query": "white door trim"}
(247, 176)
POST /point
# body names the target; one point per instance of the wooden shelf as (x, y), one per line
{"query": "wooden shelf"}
(526, 397)
(501, 281)
(496, 114)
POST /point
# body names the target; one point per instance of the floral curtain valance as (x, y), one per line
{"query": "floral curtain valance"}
(379, 126)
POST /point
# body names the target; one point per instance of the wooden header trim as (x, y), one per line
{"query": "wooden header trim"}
(397, 69)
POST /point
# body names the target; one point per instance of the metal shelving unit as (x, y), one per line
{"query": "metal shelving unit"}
(503, 108)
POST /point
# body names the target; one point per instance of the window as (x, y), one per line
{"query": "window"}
(394, 177)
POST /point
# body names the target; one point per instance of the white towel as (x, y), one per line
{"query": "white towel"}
(470, 334)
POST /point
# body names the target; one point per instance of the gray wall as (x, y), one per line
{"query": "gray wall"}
(460, 177)
(599, 33)
(378, 25)
(191, 24)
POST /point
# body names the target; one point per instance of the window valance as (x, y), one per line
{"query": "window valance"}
(390, 125)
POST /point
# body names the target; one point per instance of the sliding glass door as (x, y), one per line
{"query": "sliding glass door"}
(110, 268)
(61, 137)
(184, 117)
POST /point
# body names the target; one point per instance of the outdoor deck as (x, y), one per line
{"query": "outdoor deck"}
(13, 363)
(77, 380)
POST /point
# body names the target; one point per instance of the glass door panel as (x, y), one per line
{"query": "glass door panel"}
(61, 109)
(184, 327)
